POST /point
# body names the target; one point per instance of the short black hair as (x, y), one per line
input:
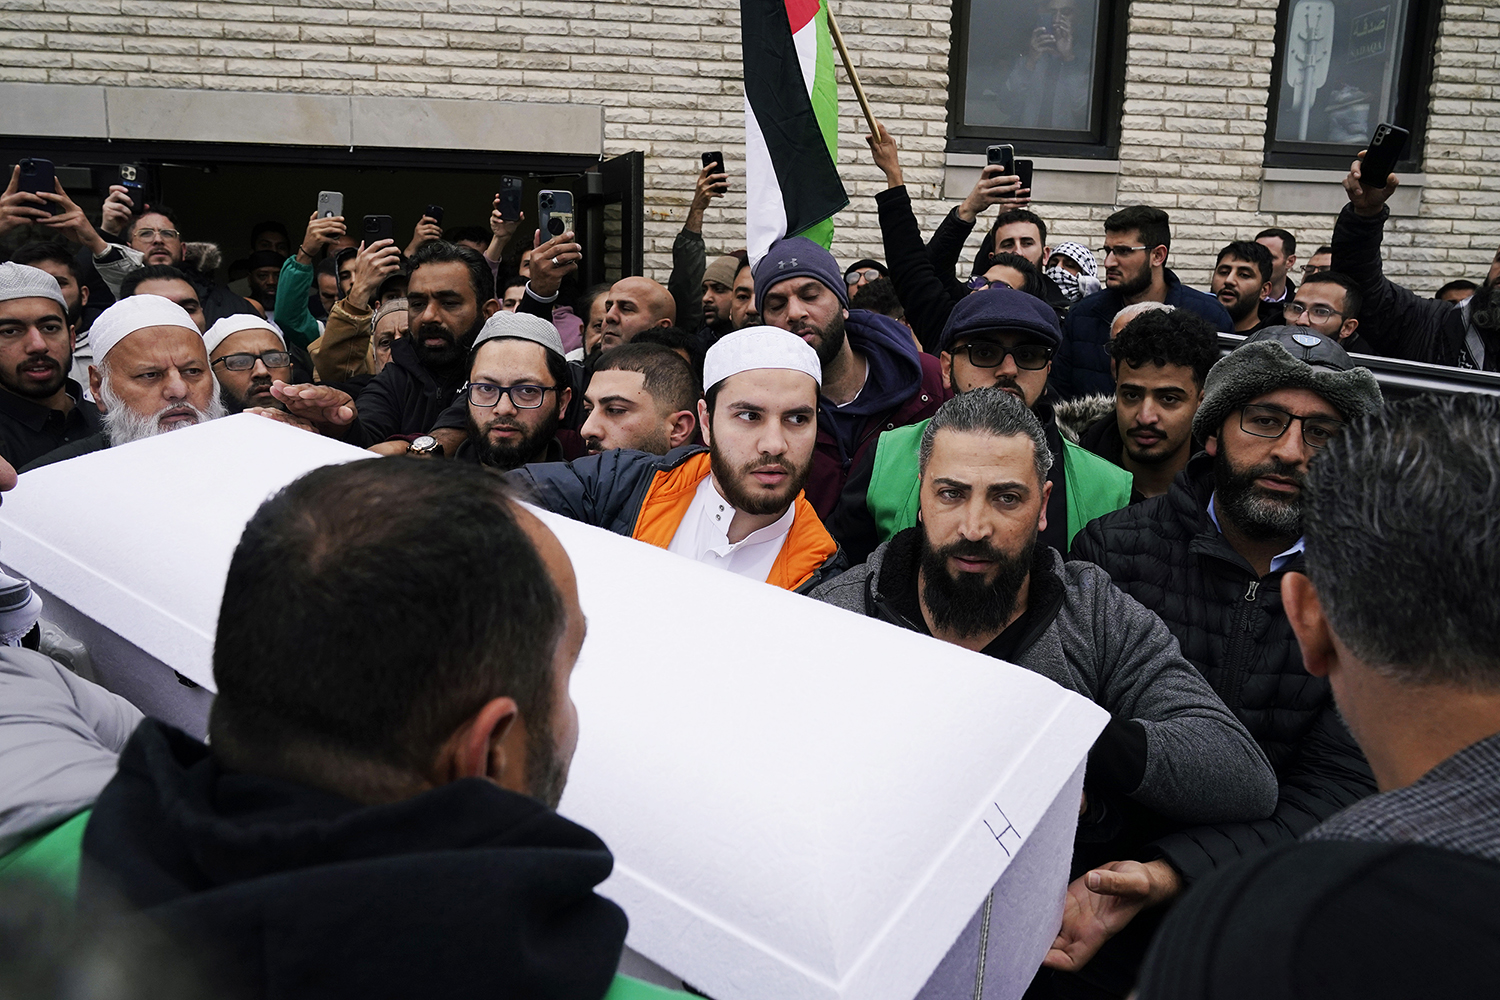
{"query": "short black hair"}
(161, 210)
(879, 296)
(1168, 337)
(481, 278)
(150, 272)
(1250, 252)
(585, 301)
(1322, 250)
(51, 251)
(1154, 225)
(270, 226)
(1014, 215)
(669, 379)
(1288, 241)
(1033, 285)
(677, 339)
(327, 266)
(370, 609)
(1354, 299)
(476, 234)
(1457, 285)
(514, 281)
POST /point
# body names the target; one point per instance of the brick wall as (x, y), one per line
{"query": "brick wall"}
(668, 74)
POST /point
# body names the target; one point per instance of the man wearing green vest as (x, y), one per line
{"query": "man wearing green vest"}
(996, 337)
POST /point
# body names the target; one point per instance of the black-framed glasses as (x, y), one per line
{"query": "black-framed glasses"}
(1120, 251)
(1311, 269)
(1319, 311)
(522, 397)
(979, 283)
(1265, 421)
(987, 354)
(869, 274)
(151, 234)
(245, 362)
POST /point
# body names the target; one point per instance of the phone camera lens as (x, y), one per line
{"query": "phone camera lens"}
(546, 201)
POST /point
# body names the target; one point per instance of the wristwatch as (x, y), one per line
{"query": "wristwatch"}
(425, 446)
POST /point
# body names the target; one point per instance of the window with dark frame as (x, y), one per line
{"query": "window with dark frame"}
(1045, 75)
(1341, 68)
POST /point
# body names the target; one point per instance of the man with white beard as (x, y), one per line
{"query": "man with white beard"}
(150, 375)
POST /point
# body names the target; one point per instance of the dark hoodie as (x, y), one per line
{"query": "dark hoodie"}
(903, 386)
(404, 398)
(465, 890)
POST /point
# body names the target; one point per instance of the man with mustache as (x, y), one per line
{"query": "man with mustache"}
(974, 572)
(1159, 362)
(997, 337)
(738, 503)
(247, 355)
(41, 408)
(519, 387)
(1209, 557)
(150, 375)
(1395, 321)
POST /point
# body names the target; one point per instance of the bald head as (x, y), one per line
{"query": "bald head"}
(633, 305)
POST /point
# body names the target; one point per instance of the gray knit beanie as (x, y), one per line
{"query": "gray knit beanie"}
(22, 281)
(1285, 357)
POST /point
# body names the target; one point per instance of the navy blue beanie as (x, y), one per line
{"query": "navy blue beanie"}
(1000, 310)
(798, 257)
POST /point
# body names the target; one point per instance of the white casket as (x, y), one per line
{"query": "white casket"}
(803, 804)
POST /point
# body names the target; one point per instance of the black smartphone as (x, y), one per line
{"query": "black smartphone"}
(1004, 155)
(1381, 156)
(716, 158)
(1023, 171)
(555, 215)
(378, 227)
(330, 204)
(510, 198)
(37, 176)
(133, 180)
(434, 212)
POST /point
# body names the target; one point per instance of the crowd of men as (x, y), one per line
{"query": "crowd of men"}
(1268, 575)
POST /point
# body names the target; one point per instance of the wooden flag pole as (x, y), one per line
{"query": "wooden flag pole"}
(859, 92)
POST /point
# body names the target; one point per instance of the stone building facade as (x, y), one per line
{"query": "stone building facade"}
(1191, 132)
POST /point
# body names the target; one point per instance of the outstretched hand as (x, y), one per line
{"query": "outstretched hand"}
(324, 407)
(1367, 201)
(1100, 903)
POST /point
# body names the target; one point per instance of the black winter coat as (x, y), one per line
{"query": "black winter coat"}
(1166, 553)
(404, 398)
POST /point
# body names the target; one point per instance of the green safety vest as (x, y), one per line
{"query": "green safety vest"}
(1094, 485)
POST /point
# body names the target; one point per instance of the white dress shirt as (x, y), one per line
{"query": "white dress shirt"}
(704, 535)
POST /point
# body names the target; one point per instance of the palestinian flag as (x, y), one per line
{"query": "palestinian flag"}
(791, 123)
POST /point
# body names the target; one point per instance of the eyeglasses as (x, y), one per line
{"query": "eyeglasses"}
(1272, 421)
(522, 397)
(1319, 311)
(245, 362)
(1120, 251)
(986, 354)
(979, 283)
(151, 234)
(869, 274)
(1312, 269)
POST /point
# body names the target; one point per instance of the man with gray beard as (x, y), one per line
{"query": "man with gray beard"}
(1209, 557)
(150, 375)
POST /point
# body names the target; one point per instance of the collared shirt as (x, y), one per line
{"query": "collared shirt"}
(1277, 562)
(1455, 806)
(29, 430)
(704, 535)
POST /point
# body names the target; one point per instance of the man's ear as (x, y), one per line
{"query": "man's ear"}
(1305, 612)
(1041, 519)
(1346, 330)
(491, 744)
(96, 389)
(1265, 289)
(1158, 256)
(703, 420)
(83, 296)
(680, 428)
(665, 322)
(1114, 370)
(490, 307)
(945, 362)
(1211, 443)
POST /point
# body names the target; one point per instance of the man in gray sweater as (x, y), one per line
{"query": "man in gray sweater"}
(971, 573)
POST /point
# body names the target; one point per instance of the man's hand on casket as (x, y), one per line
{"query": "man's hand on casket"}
(1101, 902)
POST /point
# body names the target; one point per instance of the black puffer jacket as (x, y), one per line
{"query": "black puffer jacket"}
(1166, 553)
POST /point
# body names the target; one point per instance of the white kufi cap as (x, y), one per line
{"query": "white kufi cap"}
(237, 323)
(759, 347)
(131, 314)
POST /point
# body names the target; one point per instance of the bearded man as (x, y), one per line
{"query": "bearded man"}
(1209, 558)
(150, 375)
(519, 388)
(736, 504)
(1395, 321)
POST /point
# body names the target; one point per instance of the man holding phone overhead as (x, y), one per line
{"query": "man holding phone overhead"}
(1394, 320)
(690, 253)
